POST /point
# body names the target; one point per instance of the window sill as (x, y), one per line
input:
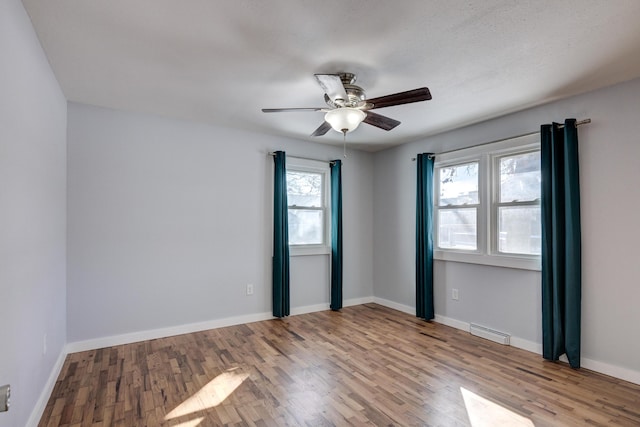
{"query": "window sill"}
(523, 263)
(309, 250)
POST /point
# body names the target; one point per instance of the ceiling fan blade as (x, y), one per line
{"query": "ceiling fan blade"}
(380, 121)
(324, 128)
(280, 110)
(415, 95)
(332, 86)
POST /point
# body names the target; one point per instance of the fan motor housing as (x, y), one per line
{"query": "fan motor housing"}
(356, 95)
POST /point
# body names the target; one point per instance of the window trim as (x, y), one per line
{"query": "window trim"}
(314, 166)
(486, 155)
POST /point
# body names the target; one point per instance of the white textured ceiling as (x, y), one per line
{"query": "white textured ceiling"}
(221, 61)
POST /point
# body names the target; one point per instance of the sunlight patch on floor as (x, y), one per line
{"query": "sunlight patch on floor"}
(209, 396)
(484, 413)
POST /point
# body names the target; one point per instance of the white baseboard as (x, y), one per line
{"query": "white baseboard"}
(534, 347)
(41, 404)
(454, 323)
(357, 301)
(606, 369)
(309, 309)
(523, 344)
(326, 306)
(394, 305)
(611, 370)
(514, 341)
(132, 337)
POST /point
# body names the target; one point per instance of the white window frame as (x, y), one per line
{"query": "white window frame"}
(487, 156)
(313, 166)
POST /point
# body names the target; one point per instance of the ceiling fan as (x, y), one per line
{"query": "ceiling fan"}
(349, 106)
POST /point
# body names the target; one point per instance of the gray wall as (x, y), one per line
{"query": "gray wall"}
(169, 220)
(32, 214)
(509, 299)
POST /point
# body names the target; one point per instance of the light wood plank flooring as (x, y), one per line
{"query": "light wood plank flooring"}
(366, 365)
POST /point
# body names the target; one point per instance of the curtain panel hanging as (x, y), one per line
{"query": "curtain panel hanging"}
(424, 237)
(280, 261)
(561, 242)
(336, 235)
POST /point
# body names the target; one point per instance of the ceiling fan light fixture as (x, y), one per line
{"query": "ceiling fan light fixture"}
(349, 106)
(345, 119)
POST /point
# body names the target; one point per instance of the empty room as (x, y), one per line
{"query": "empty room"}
(247, 213)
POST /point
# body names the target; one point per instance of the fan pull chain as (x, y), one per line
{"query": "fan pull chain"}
(344, 143)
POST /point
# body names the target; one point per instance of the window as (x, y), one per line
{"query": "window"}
(307, 196)
(487, 204)
(516, 206)
(458, 203)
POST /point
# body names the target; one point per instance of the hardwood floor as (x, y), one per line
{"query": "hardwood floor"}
(366, 365)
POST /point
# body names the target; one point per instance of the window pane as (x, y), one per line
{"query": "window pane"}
(519, 230)
(459, 184)
(457, 229)
(304, 189)
(520, 177)
(305, 227)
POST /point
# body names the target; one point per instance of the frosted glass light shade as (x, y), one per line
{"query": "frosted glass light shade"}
(345, 119)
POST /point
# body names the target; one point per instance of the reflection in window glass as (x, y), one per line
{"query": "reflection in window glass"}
(457, 229)
(520, 177)
(304, 189)
(459, 185)
(305, 227)
(519, 230)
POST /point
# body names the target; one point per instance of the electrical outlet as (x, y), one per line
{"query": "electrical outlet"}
(249, 289)
(454, 294)
(5, 398)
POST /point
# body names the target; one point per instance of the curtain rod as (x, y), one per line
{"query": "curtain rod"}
(331, 162)
(578, 123)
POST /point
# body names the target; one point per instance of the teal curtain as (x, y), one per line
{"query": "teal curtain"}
(424, 237)
(561, 253)
(280, 271)
(336, 235)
